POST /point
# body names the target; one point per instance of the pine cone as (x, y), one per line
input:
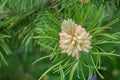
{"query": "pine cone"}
(85, 1)
(74, 38)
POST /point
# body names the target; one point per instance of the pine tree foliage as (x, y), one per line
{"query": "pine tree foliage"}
(15, 18)
(93, 24)
(33, 23)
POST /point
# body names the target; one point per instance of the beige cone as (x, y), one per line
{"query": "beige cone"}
(85, 1)
(74, 38)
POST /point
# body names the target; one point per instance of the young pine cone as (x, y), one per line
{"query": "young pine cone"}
(74, 38)
(85, 1)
